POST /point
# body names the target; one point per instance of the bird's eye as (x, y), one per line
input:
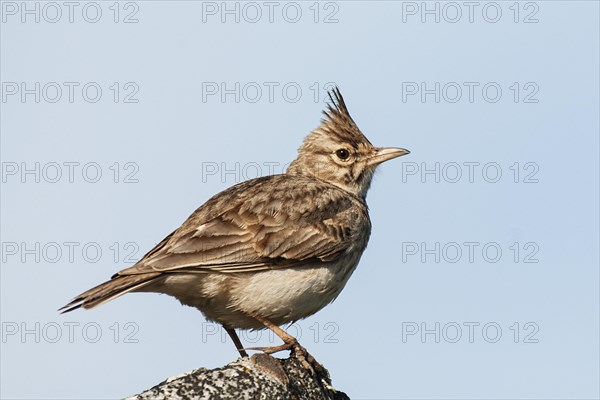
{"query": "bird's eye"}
(343, 154)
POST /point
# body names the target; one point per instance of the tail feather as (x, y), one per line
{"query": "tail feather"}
(107, 291)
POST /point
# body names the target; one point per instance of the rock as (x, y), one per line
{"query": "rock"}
(258, 377)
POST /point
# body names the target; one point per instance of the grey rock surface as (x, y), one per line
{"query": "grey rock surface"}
(258, 377)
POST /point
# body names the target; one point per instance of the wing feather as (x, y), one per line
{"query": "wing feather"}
(265, 223)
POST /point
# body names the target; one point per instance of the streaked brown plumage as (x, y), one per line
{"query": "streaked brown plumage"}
(269, 250)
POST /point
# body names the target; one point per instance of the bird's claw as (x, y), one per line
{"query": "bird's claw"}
(301, 354)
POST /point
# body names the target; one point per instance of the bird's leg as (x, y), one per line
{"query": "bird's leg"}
(236, 341)
(290, 343)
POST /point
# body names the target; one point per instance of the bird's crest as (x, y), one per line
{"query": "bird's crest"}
(338, 122)
(337, 131)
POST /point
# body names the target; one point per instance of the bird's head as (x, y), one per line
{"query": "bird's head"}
(338, 153)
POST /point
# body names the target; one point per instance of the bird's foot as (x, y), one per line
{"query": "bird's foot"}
(290, 343)
(304, 357)
(307, 361)
(270, 349)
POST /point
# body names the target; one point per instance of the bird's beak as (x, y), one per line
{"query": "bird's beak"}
(382, 154)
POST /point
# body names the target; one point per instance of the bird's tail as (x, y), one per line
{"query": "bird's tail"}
(117, 286)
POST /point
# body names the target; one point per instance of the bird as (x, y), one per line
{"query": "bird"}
(271, 250)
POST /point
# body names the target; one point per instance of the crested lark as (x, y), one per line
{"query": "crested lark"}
(270, 250)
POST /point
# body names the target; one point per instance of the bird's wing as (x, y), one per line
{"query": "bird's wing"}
(267, 223)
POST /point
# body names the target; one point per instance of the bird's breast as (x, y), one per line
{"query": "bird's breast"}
(280, 295)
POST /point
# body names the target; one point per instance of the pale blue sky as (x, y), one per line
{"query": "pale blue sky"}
(522, 323)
